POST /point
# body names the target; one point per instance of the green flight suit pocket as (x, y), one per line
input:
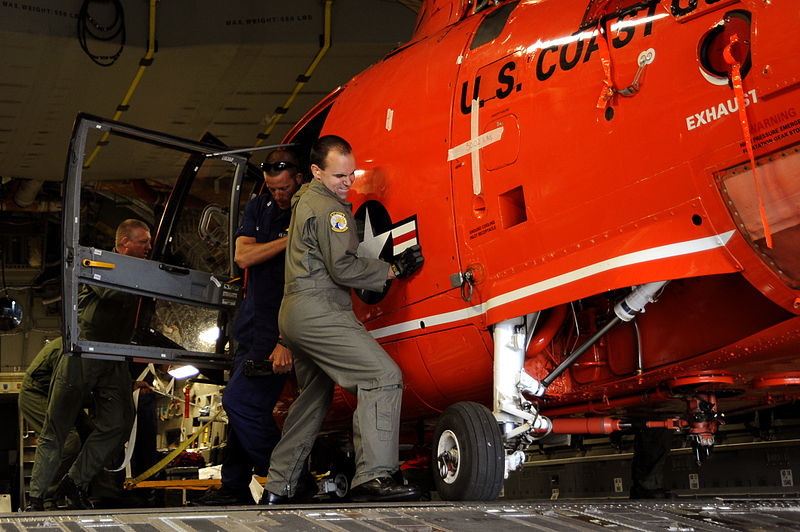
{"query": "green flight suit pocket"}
(386, 415)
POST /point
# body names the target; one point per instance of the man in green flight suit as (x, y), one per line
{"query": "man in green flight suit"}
(329, 344)
(33, 404)
(104, 315)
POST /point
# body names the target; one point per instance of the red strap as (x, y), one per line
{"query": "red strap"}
(738, 89)
(607, 92)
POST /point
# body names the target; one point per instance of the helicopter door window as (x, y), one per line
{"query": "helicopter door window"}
(492, 25)
(183, 290)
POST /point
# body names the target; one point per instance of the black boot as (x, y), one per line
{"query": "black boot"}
(304, 492)
(268, 498)
(77, 498)
(384, 489)
(35, 504)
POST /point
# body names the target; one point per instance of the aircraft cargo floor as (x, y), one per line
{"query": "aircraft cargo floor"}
(716, 514)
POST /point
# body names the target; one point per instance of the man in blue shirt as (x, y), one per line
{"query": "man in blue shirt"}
(249, 400)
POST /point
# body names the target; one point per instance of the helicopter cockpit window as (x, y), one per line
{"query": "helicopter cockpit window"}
(171, 303)
(492, 25)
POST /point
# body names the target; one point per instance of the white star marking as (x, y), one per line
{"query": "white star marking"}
(372, 244)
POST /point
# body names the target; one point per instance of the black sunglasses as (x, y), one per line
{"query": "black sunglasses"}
(279, 166)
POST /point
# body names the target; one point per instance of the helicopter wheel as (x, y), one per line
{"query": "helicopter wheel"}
(342, 483)
(468, 454)
(327, 455)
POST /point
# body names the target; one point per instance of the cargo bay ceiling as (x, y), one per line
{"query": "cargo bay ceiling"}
(228, 68)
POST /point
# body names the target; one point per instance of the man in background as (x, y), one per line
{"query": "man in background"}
(104, 315)
(33, 396)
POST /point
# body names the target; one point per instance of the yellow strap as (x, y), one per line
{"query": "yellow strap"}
(130, 483)
(301, 80)
(188, 484)
(143, 64)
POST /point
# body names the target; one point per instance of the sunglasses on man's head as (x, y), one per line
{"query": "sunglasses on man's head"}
(279, 166)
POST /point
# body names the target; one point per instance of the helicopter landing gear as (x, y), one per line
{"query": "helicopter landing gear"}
(468, 454)
(704, 419)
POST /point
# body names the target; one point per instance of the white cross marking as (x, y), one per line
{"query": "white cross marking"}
(473, 146)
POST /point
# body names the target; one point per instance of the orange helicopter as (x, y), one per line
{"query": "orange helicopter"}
(565, 164)
(607, 196)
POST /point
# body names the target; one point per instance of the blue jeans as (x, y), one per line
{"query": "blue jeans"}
(252, 431)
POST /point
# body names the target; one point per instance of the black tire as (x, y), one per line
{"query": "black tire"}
(468, 456)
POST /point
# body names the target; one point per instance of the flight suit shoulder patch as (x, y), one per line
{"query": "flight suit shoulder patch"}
(338, 222)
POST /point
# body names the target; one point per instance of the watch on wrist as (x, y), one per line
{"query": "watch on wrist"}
(395, 270)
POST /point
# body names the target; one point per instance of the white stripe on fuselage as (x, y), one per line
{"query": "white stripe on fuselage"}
(646, 255)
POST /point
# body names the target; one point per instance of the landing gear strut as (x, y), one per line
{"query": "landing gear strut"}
(473, 448)
(521, 421)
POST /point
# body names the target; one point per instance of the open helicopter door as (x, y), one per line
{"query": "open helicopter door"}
(186, 289)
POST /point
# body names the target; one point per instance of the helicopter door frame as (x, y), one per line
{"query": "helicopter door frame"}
(143, 277)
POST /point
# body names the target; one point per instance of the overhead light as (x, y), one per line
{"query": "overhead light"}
(10, 313)
(183, 372)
